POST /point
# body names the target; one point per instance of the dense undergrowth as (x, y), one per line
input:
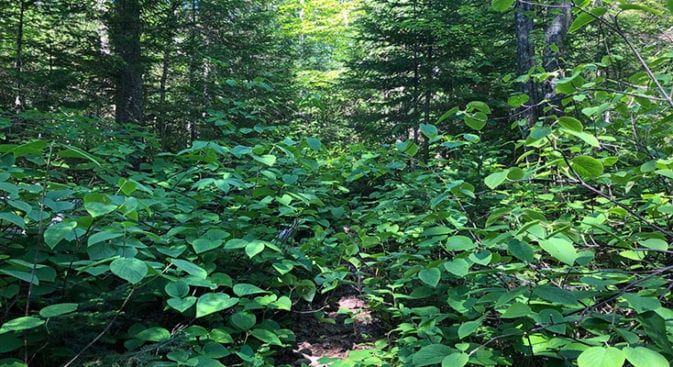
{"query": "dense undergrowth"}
(550, 250)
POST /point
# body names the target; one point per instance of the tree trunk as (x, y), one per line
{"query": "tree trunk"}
(554, 35)
(125, 36)
(525, 54)
(19, 101)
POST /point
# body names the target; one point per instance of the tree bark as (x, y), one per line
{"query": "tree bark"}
(525, 53)
(125, 36)
(554, 36)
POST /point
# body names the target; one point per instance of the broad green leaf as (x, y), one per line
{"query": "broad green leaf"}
(56, 232)
(495, 179)
(98, 205)
(177, 289)
(517, 100)
(246, 289)
(521, 250)
(555, 295)
(539, 133)
(587, 167)
(14, 219)
(181, 304)
(430, 276)
(267, 159)
(153, 334)
(601, 357)
(103, 236)
(243, 320)
(429, 130)
(474, 122)
(586, 18)
(130, 269)
(190, 268)
(654, 243)
(314, 143)
(58, 309)
(665, 172)
(515, 173)
(479, 106)
(74, 152)
(459, 243)
(455, 360)
(305, 289)
(254, 248)
(267, 336)
(458, 267)
(8, 343)
(669, 5)
(431, 354)
(204, 361)
(516, 310)
(26, 276)
(647, 9)
(560, 248)
(31, 148)
(210, 303)
(437, 231)
(209, 241)
(21, 323)
(552, 320)
(468, 328)
(645, 357)
(642, 304)
(586, 137)
(571, 123)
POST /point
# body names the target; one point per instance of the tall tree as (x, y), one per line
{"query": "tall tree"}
(125, 32)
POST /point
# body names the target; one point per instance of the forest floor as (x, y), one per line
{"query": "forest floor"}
(342, 325)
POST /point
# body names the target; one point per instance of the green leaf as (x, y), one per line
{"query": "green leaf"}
(468, 328)
(102, 236)
(571, 123)
(495, 179)
(516, 310)
(474, 122)
(586, 18)
(555, 295)
(98, 205)
(479, 106)
(266, 159)
(459, 243)
(601, 357)
(181, 304)
(458, 267)
(455, 360)
(153, 334)
(243, 320)
(586, 137)
(430, 276)
(437, 231)
(645, 357)
(130, 269)
(502, 5)
(306, 289)
(246, 289)
(254, 248)
(21, 275)
(665, 172)
(58, 309)
(640, 7)
(314, 143)
(669, 5)
(190, 268)
(74, 152)
(517, 100)
(539, 133)
(431, 354)
(177, 288)
(521, 250)
(266, 336)
(56, 232)
(429, 130)
(587, 167)
(21, 323)
(209, 241)
(654, 244)
(210, 303)
(560, 248)
(640, 303)
(14, 219)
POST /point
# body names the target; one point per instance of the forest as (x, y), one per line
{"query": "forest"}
(342, 183)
